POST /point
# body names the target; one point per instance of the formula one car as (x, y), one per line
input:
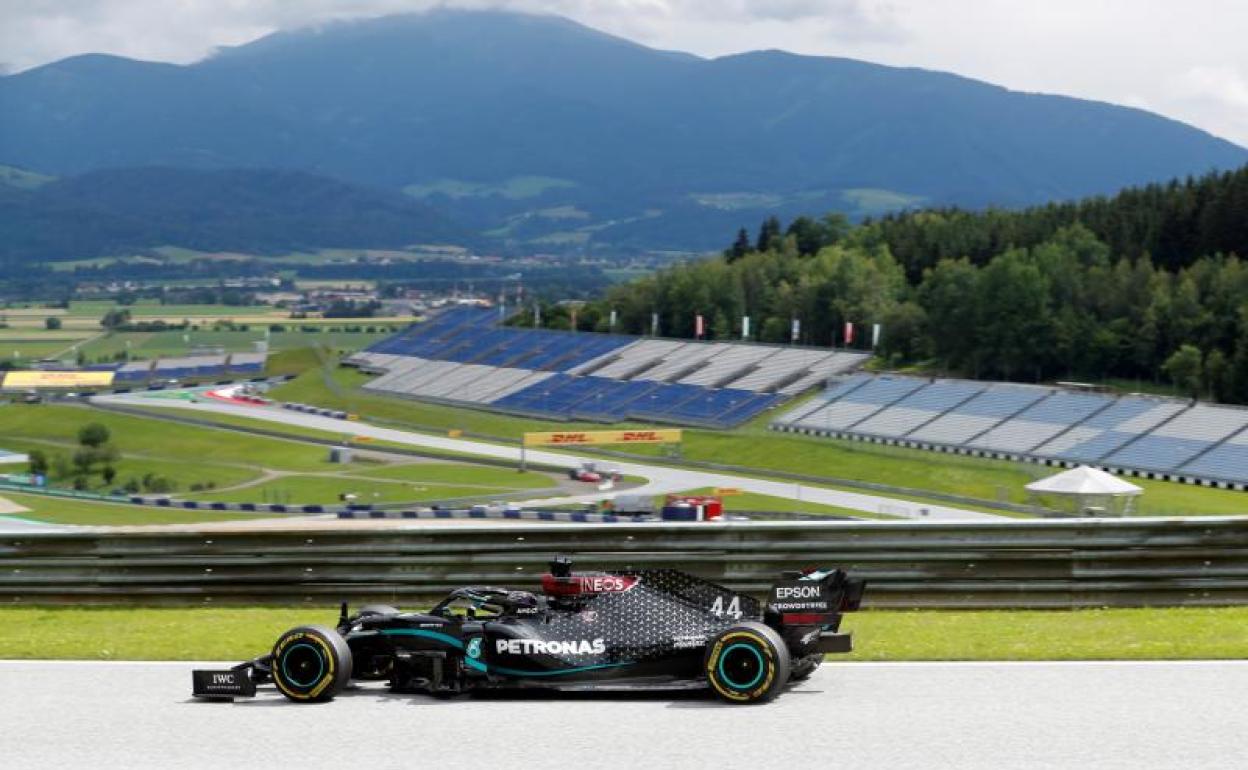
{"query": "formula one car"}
(649, 629)
(590, 472)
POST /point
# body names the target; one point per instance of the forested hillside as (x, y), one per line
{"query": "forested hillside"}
(1072, 290)
(1173, 224)
(547, 135)
(126, 211)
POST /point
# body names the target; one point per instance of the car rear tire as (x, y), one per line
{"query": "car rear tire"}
(804, 666)
(747, 663)
(311, 664)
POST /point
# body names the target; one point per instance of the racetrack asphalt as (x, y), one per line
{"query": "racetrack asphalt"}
(662, 479)
(17, 525)
(857, 715)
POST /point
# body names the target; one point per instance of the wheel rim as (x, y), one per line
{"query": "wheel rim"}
(303, 665)
(741, 666)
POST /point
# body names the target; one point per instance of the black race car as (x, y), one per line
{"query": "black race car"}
(627, 629)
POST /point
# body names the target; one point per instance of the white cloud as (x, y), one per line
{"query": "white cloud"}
(1186, 60)
(1218, 94)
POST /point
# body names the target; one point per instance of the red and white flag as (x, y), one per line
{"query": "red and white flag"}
(849, 333)
(698, 327)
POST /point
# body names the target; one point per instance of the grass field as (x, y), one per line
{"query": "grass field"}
(184, 455)
(223, 633)
(32, 350)
(23, 337)
(754, 447)
(152, 309)
(263, 469)
(453, 473)
(309, 490)
(58, 426)
(40, 335)
(175, 343)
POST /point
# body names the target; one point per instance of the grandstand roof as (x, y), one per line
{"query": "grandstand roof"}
(8, 458)
(1084, 480)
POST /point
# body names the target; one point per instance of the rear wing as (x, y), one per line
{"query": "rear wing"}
(815, 597)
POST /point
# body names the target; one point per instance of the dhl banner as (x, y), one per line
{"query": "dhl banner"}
(583, 437)
(25, 380)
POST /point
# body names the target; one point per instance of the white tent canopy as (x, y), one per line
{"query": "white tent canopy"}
(1093, 492)
(1084, 480)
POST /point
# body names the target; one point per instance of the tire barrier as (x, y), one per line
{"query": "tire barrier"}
(1010, 564)
(165, 502)
(498, 515)
(352, 511)
(337, 414)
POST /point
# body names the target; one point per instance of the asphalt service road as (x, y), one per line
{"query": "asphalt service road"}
(848, 715)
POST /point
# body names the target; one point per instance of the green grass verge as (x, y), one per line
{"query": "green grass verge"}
(57, 426)
(57, 510)
(134, 466)
(1191, 633)
(453, 473)
(223, 633)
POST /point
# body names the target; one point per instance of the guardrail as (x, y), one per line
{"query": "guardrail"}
(1042, 564)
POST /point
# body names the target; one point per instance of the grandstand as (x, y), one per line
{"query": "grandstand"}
(12, 458)
(1137, 435)
(462, 357)
(190, 368)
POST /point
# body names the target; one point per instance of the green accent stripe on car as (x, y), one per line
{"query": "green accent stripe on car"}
(478, 665)
(437, 636)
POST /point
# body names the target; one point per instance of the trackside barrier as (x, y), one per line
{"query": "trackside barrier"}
(1041, 564)
(307, 409)
(165, 502)
(504, 515)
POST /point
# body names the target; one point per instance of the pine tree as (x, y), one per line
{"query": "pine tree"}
(769, 234)
(740, 247)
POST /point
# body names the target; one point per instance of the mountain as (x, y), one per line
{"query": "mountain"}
(124, 211)
(548, 134)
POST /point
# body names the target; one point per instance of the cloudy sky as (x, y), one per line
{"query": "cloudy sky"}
(1187, 60)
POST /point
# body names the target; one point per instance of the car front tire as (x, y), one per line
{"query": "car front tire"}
(311, 664)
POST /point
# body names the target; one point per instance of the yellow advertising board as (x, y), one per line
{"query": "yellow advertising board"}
(728, 491)
(590, 437)
(32, 380)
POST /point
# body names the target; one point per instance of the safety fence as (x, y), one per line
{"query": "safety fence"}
(482, 512)
(1040, 564)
